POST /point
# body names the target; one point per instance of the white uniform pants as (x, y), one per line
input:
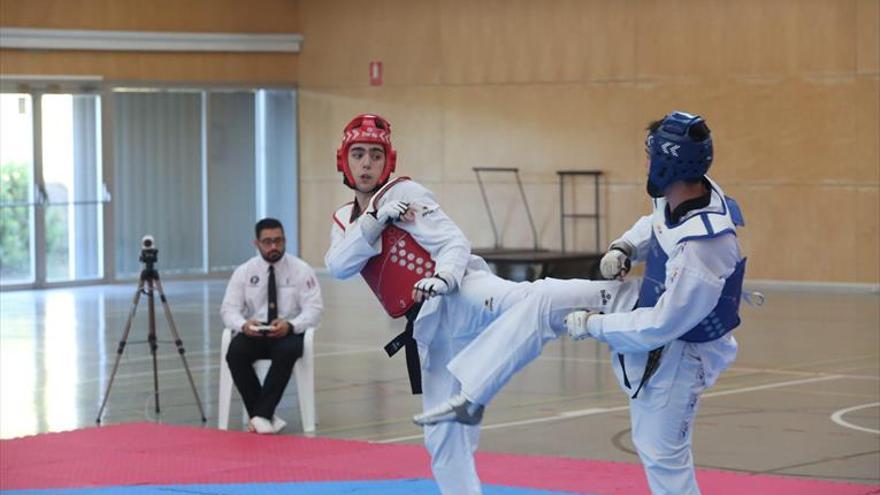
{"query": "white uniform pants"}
(462, 315)
(662, 426)
(451, 445)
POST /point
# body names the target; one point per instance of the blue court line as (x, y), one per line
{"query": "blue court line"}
(381, 487)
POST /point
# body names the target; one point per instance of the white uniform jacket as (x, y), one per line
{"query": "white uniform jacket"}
(432, 229)
(298, 293)
(695, 275)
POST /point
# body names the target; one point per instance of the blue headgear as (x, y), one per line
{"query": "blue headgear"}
(674, 154)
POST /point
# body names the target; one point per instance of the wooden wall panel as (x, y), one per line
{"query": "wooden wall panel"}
(808, 231)
(222, 16)
(867, 153)
(790, 88)
(787, 130)
(501, 41)
(431, 42)
(542, 128)
(868, 36)
(867, 241)
(686, 38)
(342, 37)
(826, 36)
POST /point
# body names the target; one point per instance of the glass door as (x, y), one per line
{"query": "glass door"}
(72, 186)
(18, 196)
(52, 190)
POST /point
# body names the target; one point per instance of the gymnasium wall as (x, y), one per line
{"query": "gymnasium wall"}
(791, 90)
(216, 16)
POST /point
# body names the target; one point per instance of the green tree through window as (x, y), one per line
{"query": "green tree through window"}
(14, 220)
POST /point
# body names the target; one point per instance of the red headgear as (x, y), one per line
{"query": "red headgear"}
(366, 128)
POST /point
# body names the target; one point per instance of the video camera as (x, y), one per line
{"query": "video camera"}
(149, 253)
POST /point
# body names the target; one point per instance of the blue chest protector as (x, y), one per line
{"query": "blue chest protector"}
(724, 317)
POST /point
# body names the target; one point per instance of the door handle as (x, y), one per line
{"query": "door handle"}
(40, 195)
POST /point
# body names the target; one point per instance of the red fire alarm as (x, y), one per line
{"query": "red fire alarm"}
(375, 73)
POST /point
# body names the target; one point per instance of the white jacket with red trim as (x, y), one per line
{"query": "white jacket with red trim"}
(432, 229)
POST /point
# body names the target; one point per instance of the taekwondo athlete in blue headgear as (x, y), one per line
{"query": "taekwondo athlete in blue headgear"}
(677, 341)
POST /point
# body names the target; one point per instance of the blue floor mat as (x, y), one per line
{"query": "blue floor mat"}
(383, 487)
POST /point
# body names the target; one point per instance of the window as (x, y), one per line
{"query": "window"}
(197, 169)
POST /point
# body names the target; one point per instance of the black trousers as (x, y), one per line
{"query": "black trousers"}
(261, 400)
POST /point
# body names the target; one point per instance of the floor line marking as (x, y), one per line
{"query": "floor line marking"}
(772, 385)
(161, 355)
(602, 410)
(741, 369)
(193, 369)
(837, 417)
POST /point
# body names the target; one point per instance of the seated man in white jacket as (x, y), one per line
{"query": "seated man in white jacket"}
(270, 302)
(676, 343)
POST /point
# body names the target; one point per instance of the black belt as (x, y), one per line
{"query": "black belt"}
(651, 366)
(405, 339)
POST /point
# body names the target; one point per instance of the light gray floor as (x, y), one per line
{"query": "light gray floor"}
(804, 358)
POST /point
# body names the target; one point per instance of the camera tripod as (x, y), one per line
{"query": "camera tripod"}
(149, 276)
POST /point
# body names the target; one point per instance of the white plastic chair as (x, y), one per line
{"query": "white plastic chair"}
(303, 373)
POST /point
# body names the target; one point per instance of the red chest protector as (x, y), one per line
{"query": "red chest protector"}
(392, 273)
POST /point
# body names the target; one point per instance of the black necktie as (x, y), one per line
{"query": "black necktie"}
(273, 296)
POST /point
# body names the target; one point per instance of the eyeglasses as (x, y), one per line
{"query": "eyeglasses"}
(271, 241)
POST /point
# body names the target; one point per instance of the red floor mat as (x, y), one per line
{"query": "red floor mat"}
(151, 454)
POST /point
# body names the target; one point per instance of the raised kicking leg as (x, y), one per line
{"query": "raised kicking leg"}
(517, 336)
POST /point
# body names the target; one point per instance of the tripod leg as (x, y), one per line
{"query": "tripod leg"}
(179, 343)
(151, 338)
(121, 347)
